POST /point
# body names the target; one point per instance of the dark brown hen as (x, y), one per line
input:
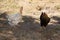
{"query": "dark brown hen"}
(44, 19)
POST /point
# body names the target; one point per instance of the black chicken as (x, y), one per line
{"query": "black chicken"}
(44, 19)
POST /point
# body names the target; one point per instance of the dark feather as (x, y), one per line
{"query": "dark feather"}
(44, 19)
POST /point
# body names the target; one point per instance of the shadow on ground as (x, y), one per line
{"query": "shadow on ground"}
(27, 30)
(56, 18)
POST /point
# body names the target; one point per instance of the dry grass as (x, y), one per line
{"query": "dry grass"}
(30, 28)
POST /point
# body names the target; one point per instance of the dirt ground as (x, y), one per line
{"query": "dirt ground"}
(29, 30)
